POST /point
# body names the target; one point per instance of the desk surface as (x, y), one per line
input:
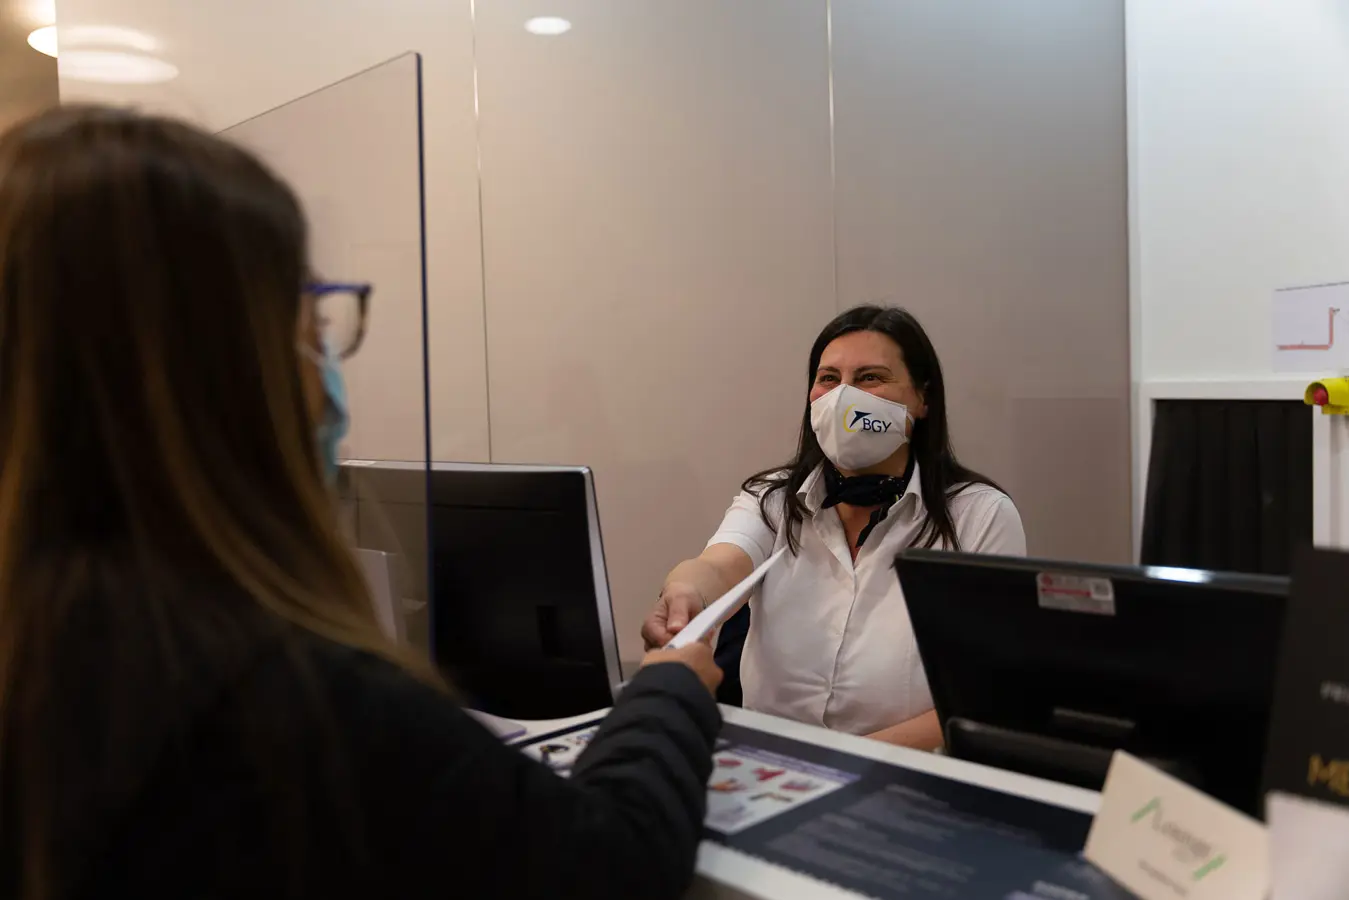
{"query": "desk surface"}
(725, 873)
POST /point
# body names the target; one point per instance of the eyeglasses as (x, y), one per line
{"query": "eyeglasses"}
(341, 309)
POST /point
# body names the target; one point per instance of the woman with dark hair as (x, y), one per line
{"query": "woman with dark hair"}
(195, 696)
(829, 639)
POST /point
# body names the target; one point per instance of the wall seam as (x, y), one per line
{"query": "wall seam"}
(833, 169)
(482, 229)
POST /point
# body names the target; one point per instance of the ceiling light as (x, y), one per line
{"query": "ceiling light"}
(548, 26)
(43, 40)
(115, 67)
(36, 12)
(108, 36)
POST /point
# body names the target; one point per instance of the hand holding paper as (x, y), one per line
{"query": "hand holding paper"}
(725, 606)
(696, 656)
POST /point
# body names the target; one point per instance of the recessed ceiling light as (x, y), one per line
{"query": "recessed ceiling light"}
(108, 36)
(36, 12)
(114, 67)
(548, 26)
(43, 40)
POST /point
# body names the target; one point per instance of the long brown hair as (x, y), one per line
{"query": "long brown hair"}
(162, 508)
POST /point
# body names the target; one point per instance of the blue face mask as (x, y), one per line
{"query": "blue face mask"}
(336, 419)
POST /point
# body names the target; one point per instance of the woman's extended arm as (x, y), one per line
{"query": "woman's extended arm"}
(692, 585)
(743, 541)
(450, 811)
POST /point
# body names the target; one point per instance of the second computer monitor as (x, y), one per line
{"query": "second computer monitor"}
(1048, 667)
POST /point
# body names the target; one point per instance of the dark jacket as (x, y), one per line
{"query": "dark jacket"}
(395, 792)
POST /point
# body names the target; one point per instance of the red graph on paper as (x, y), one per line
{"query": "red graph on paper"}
(1330, 341)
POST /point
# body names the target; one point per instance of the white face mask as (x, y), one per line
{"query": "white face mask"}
(856, 429)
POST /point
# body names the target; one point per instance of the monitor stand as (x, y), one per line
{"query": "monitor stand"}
(1056, 759)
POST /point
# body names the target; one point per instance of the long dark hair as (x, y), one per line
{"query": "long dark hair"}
(162, 508)
(941, 475)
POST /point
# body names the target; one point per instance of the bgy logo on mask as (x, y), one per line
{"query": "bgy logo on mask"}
(855, 420)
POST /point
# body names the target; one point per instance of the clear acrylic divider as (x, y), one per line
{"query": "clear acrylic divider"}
(352, 151)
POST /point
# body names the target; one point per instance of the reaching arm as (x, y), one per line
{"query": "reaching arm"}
(713, 572)
(451, 811)
(692, 585)
(743, 541)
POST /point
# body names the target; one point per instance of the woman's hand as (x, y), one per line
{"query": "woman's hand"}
(678, 603)
(697, 656)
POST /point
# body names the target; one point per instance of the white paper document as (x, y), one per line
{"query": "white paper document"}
(725, 606)
(1310, 328)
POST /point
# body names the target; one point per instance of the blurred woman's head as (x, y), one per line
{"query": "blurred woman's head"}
(885, 352)
(160, 484)
(155, 403)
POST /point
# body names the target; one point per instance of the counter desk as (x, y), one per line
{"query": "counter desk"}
(726, 871)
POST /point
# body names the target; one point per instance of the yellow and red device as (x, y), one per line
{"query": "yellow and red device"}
(1331, 394)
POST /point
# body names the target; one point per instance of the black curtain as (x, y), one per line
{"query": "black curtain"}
(1229, 485)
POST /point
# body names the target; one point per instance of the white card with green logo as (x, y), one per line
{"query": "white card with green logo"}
(1163, 840)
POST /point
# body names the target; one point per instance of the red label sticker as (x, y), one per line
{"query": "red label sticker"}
(1076, 593)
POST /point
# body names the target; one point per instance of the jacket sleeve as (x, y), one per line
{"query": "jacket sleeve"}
(450, 806)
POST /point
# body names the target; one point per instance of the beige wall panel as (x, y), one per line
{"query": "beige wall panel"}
(658, 255)
(981, 182)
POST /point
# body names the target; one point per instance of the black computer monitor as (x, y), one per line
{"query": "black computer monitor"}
(1047, 675)
(520, 616)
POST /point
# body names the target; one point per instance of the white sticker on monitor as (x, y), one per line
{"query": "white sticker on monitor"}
(1076, 593)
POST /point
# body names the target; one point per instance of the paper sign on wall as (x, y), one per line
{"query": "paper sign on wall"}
(1162, 839)
(1310, 328)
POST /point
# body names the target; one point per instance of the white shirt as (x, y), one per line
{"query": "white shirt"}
(830, 642)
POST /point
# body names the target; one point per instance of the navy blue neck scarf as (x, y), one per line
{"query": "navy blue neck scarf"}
(880, 491)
